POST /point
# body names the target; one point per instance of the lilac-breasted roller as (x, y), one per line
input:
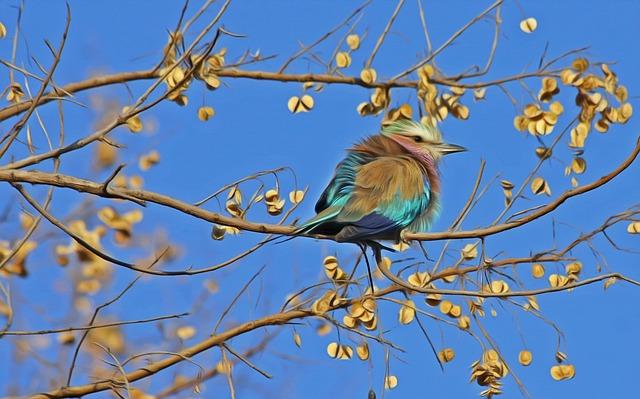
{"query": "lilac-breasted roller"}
(387, 183)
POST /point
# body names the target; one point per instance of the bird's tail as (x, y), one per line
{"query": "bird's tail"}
(308, 226)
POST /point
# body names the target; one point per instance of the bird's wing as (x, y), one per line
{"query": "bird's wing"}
(388, 194)
(341, 185)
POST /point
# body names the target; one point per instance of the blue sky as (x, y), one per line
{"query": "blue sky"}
(253, 131)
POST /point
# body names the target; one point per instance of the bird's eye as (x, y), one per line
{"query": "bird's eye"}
(417, 139)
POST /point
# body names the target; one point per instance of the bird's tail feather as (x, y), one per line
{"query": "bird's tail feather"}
(309, 225)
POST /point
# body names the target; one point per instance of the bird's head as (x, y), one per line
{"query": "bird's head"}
(419, 139)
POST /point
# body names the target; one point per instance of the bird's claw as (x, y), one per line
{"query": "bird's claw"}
(403, 237)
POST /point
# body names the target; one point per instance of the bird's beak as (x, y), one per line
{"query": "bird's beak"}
(446, 148)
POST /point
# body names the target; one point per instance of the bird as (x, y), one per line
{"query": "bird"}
(387, 184)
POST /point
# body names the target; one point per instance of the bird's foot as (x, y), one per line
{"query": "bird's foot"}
(403, 242)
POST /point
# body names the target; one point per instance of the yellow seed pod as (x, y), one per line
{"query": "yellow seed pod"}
(65, 338)
(506, 185)
(563, 372)
(445, 306)
(464, 322)
(455, 311)
(460, 111)
(349, 321)
(525, 357)
(368, 75)
(363, 351)
(579, 135)
(148, 160)
(609, 282)
(573, 268)
(446, 355)
(343, 59)
(537, 270)
(185, 332)
(556, 107)
(353, 41)
(568, 76)
(407, 312)
(528, 25)
(337, 351)
(371, 324)
(390, 382)
(469, 251)
(626, 110)
(544, 153)
(520, 123)
(441, 113)
(296, 196)
(558, 280)
(479, 94)
(300, 104)
(419, 279)
(205, 113)
(633, 228)
(386, 263)
(134, 123)
(332, 349)
(297, 340)
(621, 93)
(549, 84)
(323, 329)
(532, 111)
(532, 303)
(427, 70)
(543, 128)
(578, 165)
(88, 287)
(434, 299)
(580, 64)
(602, 125)
(540, 186)
(499, 287)
(212, 81)
(490, 355)
(611, 114)
(3, 31)
(369, 304)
